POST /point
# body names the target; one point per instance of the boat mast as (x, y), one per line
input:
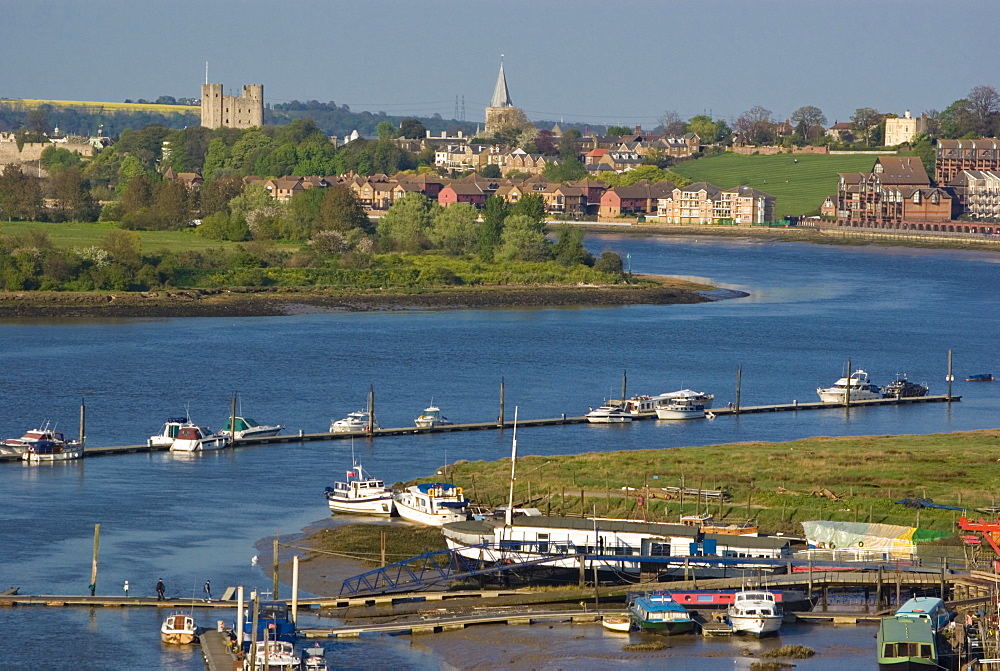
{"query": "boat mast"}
(509, 517)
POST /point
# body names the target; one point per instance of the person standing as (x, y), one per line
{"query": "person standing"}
(126, 589)
(160, 589)
(208, 591)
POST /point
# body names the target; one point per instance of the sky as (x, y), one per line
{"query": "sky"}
(624, 62)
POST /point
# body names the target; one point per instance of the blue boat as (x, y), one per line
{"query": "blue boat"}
(982, 377)
(660, 613)
(273, 623)
(927, 608)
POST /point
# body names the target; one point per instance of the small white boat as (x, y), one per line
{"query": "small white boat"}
(431, 418)
(616, 623)
(179, 629)
(860, 387)
(314, 659)
(166, 436)
(246, 427)
(609, 414)
(360, 495)
(354, 422)
(681, 408)
(194, 438)
(433, 504)
(273, 656)
(647, 405)
(755, 612)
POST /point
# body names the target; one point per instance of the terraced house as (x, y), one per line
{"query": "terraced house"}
(896, 194)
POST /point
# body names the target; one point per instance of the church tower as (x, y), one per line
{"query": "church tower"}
(501, 113)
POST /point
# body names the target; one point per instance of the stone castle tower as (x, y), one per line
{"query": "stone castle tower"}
(501, 113)
(245, 111)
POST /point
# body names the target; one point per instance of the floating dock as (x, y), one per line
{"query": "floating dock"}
(521, 424)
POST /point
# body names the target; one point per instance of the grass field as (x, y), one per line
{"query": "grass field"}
(74, 234)
(773, 482)
(798, 182)
(113, 107)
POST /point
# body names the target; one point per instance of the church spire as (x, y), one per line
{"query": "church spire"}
(501, 97)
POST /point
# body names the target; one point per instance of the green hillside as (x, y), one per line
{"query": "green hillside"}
(798, 182)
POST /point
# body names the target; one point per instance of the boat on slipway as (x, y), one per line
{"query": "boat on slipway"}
(755, 612)
(354, 422)
(246, 427)
(360, 495)
(609, 414)
(661, 614)
(194, 438)
(858, 385)
(433, 504)
(179, 629)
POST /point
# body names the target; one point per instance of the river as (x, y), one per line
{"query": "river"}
(810, 308)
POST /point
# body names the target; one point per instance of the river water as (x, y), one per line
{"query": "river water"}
(187, 519)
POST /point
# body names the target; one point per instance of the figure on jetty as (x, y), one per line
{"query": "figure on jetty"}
(160, 589)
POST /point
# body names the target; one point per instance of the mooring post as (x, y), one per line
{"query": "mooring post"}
(847, 395)
(382, 548)
(232, 420)
(93, 567)
(83, 423)
(739, 382)
(500, 418)
(239, 616)
(295, 589)
(624, 387)
(825, 595)
(809, 589)
(583, 570)
(275, 590)
(371, 409)
(878, 589)
(950, 377)
(255, 601)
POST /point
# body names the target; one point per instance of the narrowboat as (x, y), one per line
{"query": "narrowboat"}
(660, 613)
(906, 644)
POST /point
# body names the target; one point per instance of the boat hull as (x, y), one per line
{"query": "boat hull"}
(688, 412)
(262, 432)
(838, 395)
(668, 628)
(177, 638)
(199, 445)
(66, 454)
(432, 423)
(621, 624)
(438, 519)
(755, 625)
(373, 506)
(609, 419)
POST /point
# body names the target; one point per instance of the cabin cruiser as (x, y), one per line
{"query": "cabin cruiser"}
(272, 656)
(660, 613)
(609, 414)
(44, 444)
(314, 659)
(360, 495)
(680, 407)
(248, 428)
(861, 389)
(39, 437)
(755, 612)
(354, 422)
(903, 388)
(179, 629)
(194, 438)
(647, 405)
(434, 504)
(431, 418)
(166, 436)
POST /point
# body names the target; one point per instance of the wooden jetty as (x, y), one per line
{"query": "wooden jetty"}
(215, 650)
(434, 625)
(521, 424)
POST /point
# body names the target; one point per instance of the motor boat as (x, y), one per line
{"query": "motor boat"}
(39, 437)
(248, 428)
(431, 418)
(355, 422)
(646, 405)
(194, 438)
(360, 495)
(273, 656)
(166, 436)
(681, 408)
(433, 504)
(314, 659)
(44, 444)
(660, 613)
(609, 414)
(179, 629)
(861, 389)
(903, 388)
(755, 612)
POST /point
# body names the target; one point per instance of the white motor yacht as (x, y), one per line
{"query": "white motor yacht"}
(861, 389)
(179, 629)
(272, 656)
(194, 438)
(360, 495)
(609, 414)
(434, 504)
(431, 418)
(354, 422)
(681, 408)
(166, 436)
(755, 612)
(246, 427)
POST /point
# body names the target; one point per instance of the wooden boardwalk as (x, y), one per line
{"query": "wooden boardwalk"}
(434, 625)
(215, 651)
(521, 424)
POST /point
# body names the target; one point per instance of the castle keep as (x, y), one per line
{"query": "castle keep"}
(219, 110)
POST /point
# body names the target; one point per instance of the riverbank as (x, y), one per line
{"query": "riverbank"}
(274, 302)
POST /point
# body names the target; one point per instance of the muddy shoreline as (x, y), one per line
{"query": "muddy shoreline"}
(282, 302)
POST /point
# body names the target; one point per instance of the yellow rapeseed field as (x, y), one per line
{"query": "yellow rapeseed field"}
(129, 107)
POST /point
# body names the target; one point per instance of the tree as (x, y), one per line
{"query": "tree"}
(545, 143)
(957, 120)
(704, 127)
(491, 171)
(568, 248)
(864, 121)
(984, 105)
(341, 210)
(72, 194)
(609, 263)
(671, 123)
(454, 228)
(564, 171)
(756, 125)
(55, 158)
(224, 226)
(404, 226)
(216, 194)
(490, 231)
(809, 115)
(618, 131)
(922, 146)
(145, 144)
(531, 205)
(138, 193)
(20, 194)
(123, 247)
(385, 130)
(412, 129)
(170, 205)
(567, 145)
(523, 240)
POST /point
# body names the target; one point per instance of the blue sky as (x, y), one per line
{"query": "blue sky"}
(608, 62)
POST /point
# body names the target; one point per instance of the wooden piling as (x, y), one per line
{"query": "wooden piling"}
(275, 590)
(500, 418)
(83, 423)
(739, 376)
(93, 566)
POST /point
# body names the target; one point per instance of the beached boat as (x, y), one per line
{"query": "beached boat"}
(756, 612)
(179, 629)
(929, 608)
(166, 436)
(906, 644)
(354, 422)
(617, 623)
(248, 428)
(681, 408)
(609, 414)
(861, 389)
(193, 438)
(660, 613)
(273, 656)
(981, 377)
(360, 495)
(431, 418)
(903, 388)
(434, 504)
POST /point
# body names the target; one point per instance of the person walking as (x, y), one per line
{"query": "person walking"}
(126, 589)
(160, 589)
(208, 591)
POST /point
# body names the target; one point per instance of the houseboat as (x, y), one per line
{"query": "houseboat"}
(660, 613)
(906, 644)
(928, 608)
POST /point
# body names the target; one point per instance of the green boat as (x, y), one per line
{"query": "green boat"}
(660, 613)
(906, 644)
